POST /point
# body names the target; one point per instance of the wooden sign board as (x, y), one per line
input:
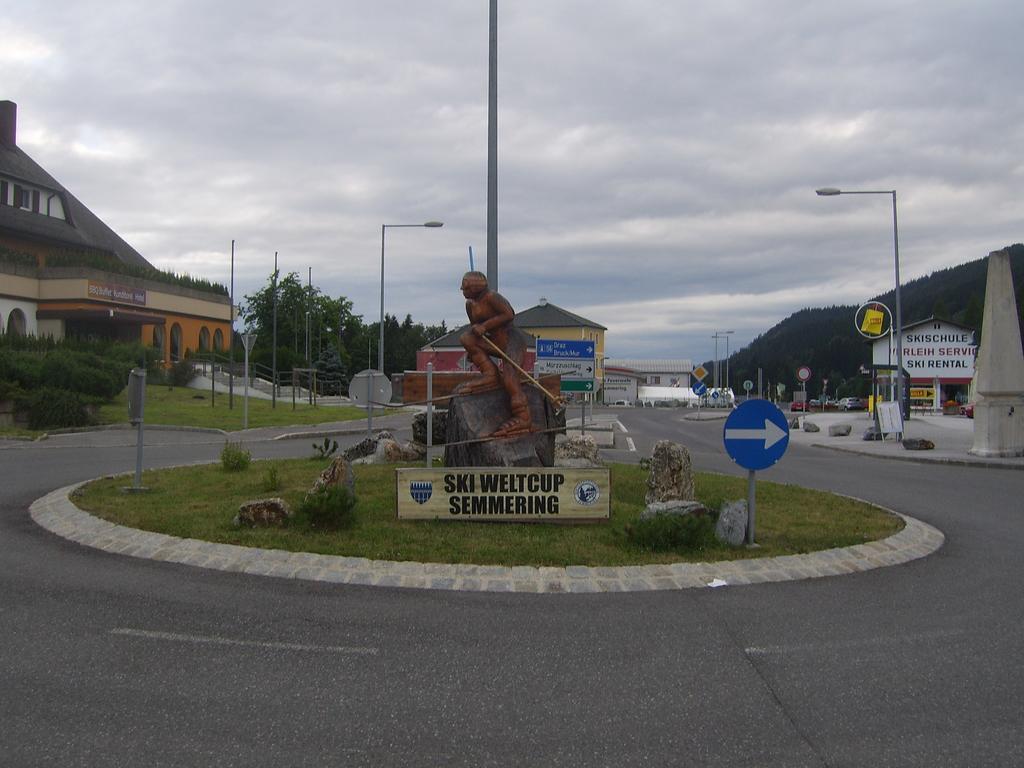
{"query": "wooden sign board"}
(504, 494)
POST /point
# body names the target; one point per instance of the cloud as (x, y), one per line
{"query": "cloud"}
(657, 162)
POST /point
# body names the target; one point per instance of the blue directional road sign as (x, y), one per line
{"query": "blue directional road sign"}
(565, 349)
(700, 388)
(756, 434)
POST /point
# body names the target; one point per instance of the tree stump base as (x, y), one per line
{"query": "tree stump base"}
(475, 416)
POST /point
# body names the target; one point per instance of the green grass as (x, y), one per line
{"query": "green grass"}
(186, 407)
(200, 502)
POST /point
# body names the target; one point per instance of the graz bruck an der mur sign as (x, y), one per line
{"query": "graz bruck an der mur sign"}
(504, 494)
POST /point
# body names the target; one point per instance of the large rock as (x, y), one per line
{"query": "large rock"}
(440, 426)
(673, 508)
(367, 446)
(338, 473)
(473, 416)
(917, 444)
(263, 513)
(578, 451)
(731, 527)
(872, 433)
(810, 426)
(839, 430)
(391, 451)
(671, 476)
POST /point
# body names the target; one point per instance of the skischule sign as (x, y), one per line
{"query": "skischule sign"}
(504, 494)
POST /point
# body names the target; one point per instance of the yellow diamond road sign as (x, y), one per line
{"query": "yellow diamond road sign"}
(700, 372)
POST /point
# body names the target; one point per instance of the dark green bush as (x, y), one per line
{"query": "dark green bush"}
(667, 533)
(235, 458)
(86, 373)
(50, 408)
(23, 369)
(180, 374)
(329, 508)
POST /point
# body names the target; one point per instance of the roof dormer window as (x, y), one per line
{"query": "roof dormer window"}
(32, 199)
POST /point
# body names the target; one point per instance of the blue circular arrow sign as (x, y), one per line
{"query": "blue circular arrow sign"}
(756, 434)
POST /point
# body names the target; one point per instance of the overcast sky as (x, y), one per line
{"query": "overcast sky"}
(657, 160)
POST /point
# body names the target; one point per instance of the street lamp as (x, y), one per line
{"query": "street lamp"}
(383, 229)
(718, 368)
(829, 192)
(726, 333)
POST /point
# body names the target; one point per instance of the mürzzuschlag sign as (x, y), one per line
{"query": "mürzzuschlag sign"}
(504, 494)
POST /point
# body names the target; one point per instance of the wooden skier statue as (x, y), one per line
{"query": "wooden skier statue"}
(490, 316)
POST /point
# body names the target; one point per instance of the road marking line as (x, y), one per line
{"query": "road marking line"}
(621, 426)
(631, 444)
(210, 640)
(769, 650)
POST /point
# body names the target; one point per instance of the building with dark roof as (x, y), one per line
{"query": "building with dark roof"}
(63, 272)
(543, 321)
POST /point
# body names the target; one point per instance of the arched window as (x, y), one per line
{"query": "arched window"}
(204, 339)
(16, 323)
(176, 348)
(218, 340)
(158, 340)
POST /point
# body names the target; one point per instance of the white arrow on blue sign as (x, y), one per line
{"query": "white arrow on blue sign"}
(564, 349)
(756, 434)
(700, 388)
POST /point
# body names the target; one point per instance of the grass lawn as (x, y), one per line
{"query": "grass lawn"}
(200, 502)
(186, 407)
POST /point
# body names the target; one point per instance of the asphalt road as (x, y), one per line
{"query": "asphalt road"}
(112, 660)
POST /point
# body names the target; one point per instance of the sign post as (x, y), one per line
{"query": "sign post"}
(575, 361)
(756, 436)
(248, 339)
(136, 414)
(700, 388)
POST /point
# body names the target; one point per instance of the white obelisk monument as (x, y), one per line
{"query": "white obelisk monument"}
(999, 410)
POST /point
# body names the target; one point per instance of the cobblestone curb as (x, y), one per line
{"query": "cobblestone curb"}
(56, 513)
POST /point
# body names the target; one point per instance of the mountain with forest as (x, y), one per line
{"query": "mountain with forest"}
(825, 338)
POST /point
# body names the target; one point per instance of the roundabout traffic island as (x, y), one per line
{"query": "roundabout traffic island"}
(187, 518)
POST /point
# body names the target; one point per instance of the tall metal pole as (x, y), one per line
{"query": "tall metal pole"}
(492, 150)
(309, 296)
(899, 312)
(231, 336)
(383, 229)
(380, 341)
(830, 191)
(273, 352)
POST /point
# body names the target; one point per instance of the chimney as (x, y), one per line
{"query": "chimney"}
(9, 123)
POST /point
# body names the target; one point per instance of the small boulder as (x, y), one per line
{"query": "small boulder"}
(810, 426)
(263, 513)
(673, 508)
(391, 451)
(578, 451)
(367, 446)
(338, 473)
(731, 527)
(917, 444)
(839, 430)
(440, 426)
(671, 476)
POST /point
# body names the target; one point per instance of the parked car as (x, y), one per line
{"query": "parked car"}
(852, 404)
(967, 409)
(798, 406)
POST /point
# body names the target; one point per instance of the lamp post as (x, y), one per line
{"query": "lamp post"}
(383, 229)
(726, 334)
(721, 335)
(829, 192)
